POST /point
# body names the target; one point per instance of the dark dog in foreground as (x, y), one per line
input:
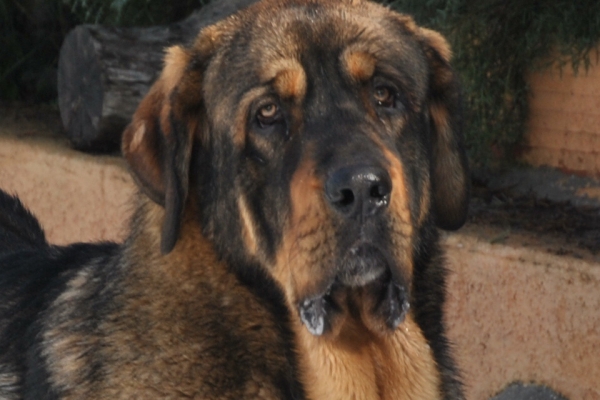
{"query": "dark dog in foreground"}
(293, 164)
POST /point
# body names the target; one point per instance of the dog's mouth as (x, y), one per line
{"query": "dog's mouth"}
(364, 275)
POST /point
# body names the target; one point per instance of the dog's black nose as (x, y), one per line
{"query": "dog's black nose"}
(359, 190)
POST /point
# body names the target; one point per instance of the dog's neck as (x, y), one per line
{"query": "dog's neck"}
(358, 364)
(191, 250)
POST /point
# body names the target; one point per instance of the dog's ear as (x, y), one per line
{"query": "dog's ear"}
(157, 144)
(450, 177)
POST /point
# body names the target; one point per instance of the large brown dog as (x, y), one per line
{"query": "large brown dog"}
(293, 165)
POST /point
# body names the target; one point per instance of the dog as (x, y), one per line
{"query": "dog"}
(294, 164)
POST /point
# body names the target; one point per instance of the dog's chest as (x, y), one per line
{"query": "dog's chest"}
(400, 366)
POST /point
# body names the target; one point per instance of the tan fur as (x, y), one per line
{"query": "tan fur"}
(138, 137)
(360, 365)
(249, 234)
(189, 270)
(400, 213)
(438, 42)
(307, 244)
(176, 60)
(360, 65)
(289, 78)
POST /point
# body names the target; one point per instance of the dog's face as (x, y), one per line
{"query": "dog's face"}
(316, 139)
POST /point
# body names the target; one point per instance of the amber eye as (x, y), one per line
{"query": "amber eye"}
(384, 96)
(268, 114)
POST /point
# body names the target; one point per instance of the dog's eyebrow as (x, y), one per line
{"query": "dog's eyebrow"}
(358, 63)
(287, 76)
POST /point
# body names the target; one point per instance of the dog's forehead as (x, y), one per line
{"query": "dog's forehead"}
(281, 35)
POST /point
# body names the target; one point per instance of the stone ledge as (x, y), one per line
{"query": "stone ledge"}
(520, 313)
(77, 197)
(515, 313)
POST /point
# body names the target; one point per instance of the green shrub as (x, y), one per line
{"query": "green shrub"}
(133, 12)
(31, 32)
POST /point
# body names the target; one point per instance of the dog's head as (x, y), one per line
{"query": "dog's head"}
(319, 139)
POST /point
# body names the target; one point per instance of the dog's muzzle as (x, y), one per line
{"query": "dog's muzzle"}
(359, 194)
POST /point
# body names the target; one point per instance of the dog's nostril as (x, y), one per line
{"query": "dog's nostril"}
(346, 197)
(358, 189)
(379, 191)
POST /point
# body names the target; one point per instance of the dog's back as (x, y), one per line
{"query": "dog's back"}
(32, 274)
(19, 229)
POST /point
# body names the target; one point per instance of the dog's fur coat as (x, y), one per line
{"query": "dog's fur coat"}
(293, 163)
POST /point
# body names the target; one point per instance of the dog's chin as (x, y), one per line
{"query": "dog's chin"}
(365, 287)
(362, 265)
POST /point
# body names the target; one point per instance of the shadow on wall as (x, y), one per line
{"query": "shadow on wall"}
(523, 391)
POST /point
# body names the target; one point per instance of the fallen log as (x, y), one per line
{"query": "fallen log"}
(104, 72)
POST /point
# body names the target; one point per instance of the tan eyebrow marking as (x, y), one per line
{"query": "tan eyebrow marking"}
(288, 76)
(359, 64)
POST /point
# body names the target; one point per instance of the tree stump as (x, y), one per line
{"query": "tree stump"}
(104, 72)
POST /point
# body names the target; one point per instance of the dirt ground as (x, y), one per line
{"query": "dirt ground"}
(500, 209)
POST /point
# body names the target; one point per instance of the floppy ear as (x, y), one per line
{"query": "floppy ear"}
(157, 144)
(450, 179)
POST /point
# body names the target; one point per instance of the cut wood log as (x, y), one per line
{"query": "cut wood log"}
(104, 72)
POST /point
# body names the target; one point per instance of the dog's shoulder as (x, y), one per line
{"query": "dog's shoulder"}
(31, 280)
(33, 273)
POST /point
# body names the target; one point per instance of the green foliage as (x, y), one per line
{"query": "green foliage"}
(31, 32)
(133, 12)
(496, 43)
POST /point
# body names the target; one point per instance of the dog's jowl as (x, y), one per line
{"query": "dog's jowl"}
(294, 164)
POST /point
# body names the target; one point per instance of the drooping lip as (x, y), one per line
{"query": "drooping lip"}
(364, 266)
(388, 300)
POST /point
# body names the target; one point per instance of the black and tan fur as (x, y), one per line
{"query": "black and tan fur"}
(294, 164)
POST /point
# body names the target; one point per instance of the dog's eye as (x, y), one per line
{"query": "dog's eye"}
(268, 114)
(384, 96)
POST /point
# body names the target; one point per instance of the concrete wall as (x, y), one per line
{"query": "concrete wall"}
(515, 311)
